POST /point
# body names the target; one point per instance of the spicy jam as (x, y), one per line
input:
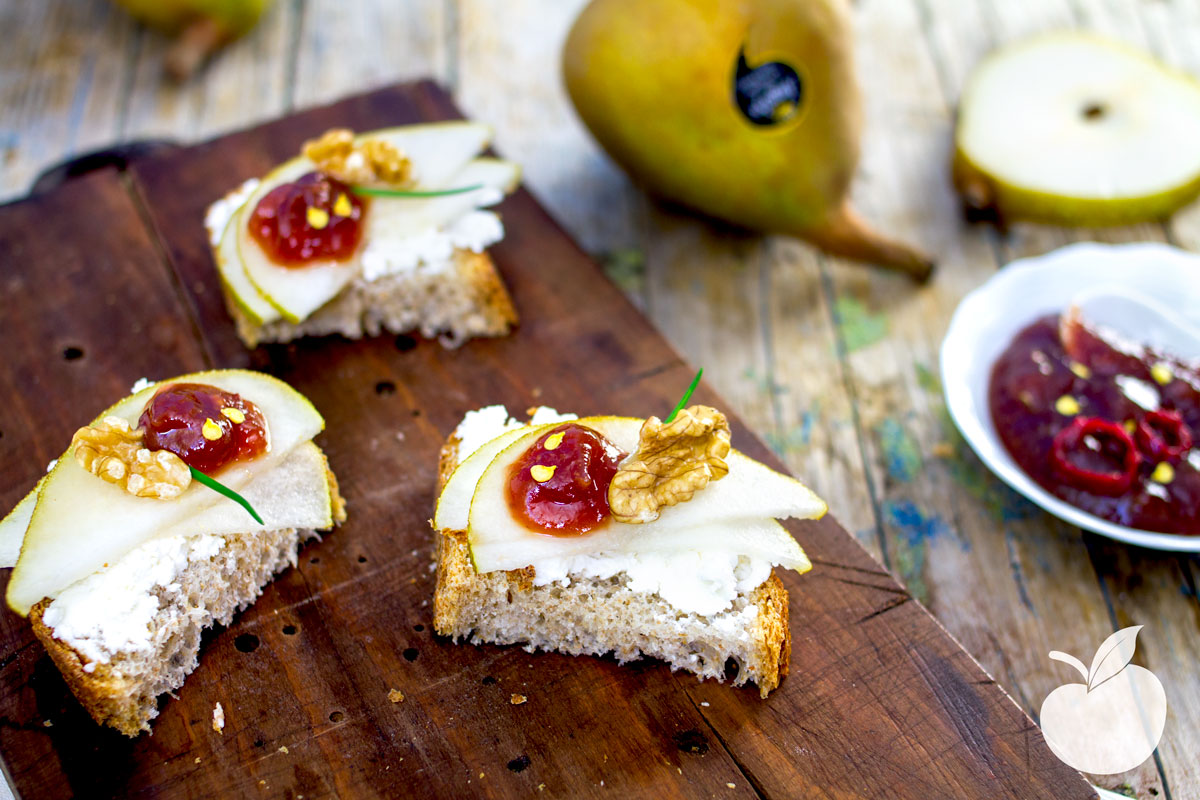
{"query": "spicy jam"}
(560, 485)
(1104, 424)
(207, 427)
(314, 218)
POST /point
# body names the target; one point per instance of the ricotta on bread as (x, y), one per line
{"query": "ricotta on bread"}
(120, 586)
(422, 263)
(696, 589)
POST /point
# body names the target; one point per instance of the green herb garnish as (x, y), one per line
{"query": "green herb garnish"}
(686, 396)
(368, 190)
(221, 488)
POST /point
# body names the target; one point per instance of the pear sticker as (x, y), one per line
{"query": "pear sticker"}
(769, 94)
(746, 112)
(1113, 721)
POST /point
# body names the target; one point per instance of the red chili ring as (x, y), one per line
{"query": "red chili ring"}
(1163, 436)
(1111, 483)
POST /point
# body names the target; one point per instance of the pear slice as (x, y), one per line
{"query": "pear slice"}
(1074, 129)
(454, 503)
(233, 275)
(297, 293)
(763, 539)
(12, 527)
(81, 523)
(295, 494)
(735, 514)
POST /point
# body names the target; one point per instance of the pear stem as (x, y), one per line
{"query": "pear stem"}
(844, 233)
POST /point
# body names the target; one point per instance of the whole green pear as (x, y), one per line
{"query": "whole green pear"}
(199, 27)
(745, 110)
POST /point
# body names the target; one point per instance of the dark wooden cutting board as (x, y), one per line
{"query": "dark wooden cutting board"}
(108, 278)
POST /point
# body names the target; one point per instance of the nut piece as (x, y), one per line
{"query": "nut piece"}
(110, 450)
(672, 462)
(370, 163)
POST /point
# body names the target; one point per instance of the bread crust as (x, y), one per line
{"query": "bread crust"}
(110, 698)
(459, 588)
(369, 308)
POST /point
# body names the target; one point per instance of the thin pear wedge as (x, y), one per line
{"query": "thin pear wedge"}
(233, 275)
(1073, 129)
(295, 494)
(454, 503)
(735, 514)
(81, 523)
(13, 526)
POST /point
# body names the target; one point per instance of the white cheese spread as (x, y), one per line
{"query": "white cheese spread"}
(430, 250)
(220, 212)
(110, 611)
(481, 426)
(392, 247)
(692, 581)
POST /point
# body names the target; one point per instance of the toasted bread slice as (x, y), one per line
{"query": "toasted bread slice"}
(223, 575)
(465, 299)
(748, 642)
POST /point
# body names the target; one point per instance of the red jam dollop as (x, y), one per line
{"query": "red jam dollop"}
(314, 218)
(560, 485)
(207, 427)
(1068, 403)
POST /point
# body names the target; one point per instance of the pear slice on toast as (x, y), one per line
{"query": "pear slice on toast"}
(81, 523)
(735, 514)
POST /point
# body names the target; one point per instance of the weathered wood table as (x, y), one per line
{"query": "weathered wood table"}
(836, 364)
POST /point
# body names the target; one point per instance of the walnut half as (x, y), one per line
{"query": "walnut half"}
(112, 451)
(672, 463)
(371, 162)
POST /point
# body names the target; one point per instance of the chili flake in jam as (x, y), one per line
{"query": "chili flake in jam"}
(207, 427)
(560, 485)
(314, 218)
(1104, 424)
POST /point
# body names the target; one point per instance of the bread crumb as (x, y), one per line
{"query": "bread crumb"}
(197, 761)
(517, 699)
(396, 696)
(262, 783)
(704, 703)
(731, 785)
(541, 787)
(283, 749)
(218, 719)
(47, 724)
(481, 776)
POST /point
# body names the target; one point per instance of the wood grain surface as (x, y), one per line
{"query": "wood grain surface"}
(835, 365)
(880, 702)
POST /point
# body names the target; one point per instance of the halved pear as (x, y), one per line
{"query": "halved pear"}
(81, 523)
(735, 514)
(1074, 129)
(12, 527)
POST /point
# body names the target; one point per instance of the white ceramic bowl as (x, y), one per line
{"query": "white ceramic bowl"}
(988, 319)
